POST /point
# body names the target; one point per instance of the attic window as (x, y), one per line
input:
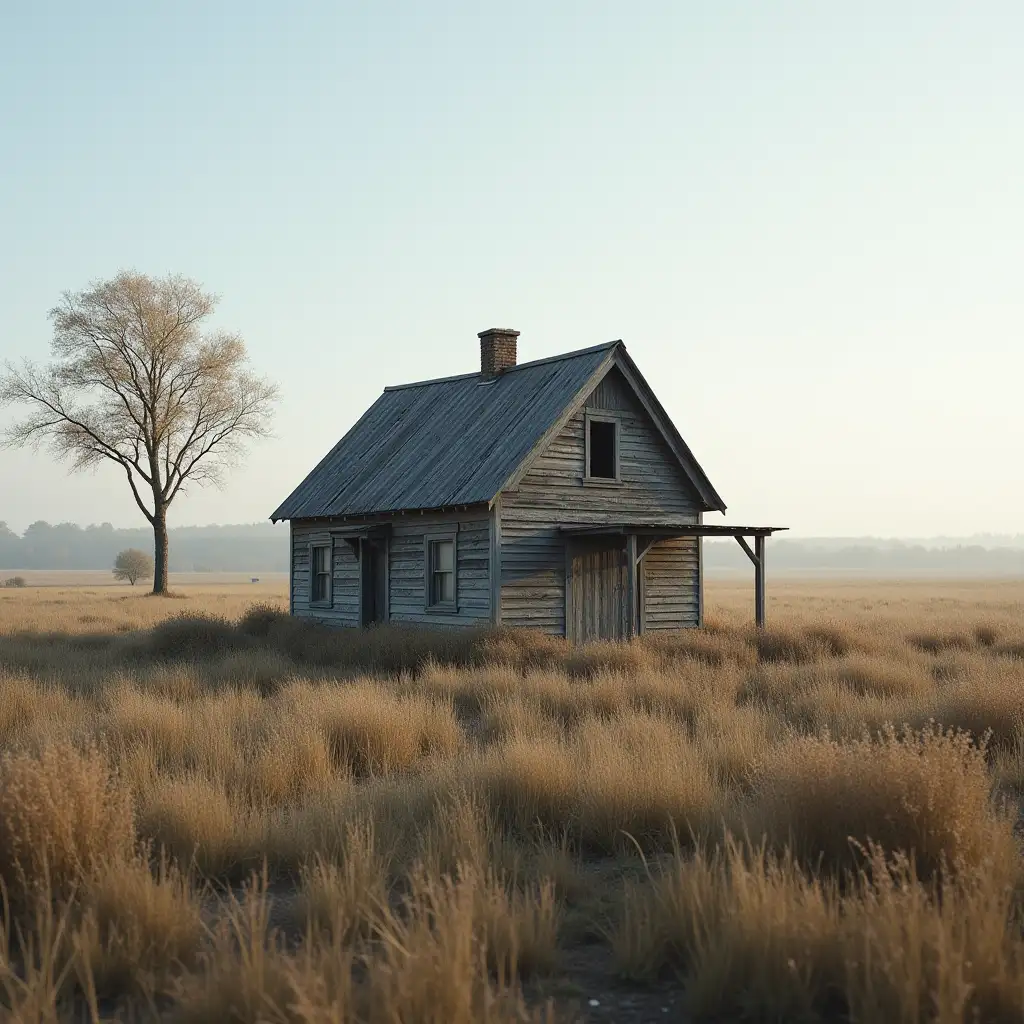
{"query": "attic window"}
(602, 448)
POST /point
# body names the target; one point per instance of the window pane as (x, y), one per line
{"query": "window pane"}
(442, 571)
(444, 556)
(602, 450)
(320, 559)
(442, 587)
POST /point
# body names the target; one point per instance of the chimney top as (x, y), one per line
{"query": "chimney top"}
(497, 351)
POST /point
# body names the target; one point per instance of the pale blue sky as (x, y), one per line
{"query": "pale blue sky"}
(806, 220)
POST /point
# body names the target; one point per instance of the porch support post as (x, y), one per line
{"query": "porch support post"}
(760, 592)
(632, 626)
(757, 557)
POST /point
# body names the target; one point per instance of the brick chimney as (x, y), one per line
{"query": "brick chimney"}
(497, 351)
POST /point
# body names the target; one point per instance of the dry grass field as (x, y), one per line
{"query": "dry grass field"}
(210, 812)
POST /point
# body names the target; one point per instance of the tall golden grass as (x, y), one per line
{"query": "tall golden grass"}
(221, 813)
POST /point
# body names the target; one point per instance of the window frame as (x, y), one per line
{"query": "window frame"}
(328, 600)
(429, 604)
(616, 421)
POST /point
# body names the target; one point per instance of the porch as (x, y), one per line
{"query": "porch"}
(602, 595)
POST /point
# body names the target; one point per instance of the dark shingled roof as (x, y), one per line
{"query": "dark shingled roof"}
(454, 441)
(441, 443)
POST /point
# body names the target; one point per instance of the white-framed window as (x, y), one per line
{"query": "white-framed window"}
(320, 574)
(441, 564)
(602, 447)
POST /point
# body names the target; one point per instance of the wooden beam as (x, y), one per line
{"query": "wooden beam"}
(632, 626)
(760, 593)
(643, 546)
(742, 541)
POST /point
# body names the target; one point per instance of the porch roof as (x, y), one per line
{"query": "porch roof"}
(668, 530)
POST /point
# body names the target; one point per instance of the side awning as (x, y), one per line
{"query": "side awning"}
(639, 536)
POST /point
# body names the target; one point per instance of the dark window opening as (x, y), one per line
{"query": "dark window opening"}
(321, 574)
(442, 572)
(602, 450)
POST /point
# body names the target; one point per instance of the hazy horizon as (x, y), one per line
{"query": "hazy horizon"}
(989, 540)
(806, 223)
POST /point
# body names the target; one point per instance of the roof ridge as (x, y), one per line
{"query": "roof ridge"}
(512, 369)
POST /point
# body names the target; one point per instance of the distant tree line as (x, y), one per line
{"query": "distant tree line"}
(262, 547)
(259, 547)
(881, 558)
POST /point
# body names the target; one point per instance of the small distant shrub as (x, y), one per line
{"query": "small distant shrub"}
(133, 565)
(15, 581)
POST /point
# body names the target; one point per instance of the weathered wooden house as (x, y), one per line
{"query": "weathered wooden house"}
(555, 494)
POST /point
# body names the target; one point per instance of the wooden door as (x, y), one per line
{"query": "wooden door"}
(374, 581)
(597, 604)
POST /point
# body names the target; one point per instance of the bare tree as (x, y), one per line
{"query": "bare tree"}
(133, 565)
(135, 381)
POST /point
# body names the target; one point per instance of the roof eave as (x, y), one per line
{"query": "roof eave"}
(460, 506)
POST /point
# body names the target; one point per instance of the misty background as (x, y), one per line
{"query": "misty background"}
(263, 547)
(805, 220)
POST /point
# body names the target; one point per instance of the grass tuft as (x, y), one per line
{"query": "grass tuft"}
(63, 813)
(925, 793)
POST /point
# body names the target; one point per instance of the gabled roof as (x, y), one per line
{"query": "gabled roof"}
(462, 440)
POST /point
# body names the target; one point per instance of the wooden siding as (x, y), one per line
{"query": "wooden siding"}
(344, 609)
(532, 573)
(670, 584)
(406, 569)
(472, 577)
(652, 488)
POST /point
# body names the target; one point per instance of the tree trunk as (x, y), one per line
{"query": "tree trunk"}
(160, 551)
